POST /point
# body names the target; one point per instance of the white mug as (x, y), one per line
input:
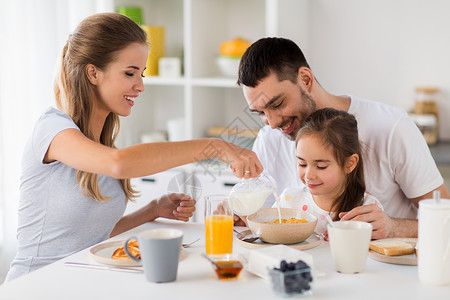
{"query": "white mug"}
(349, 243)
(433, 246)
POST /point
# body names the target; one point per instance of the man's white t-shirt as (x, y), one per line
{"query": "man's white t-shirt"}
(300, 198)
(398, 164)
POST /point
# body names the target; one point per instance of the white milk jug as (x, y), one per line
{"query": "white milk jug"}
(433, 249)
(248, 196)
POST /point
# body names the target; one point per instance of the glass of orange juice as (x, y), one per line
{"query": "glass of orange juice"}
(218, 225)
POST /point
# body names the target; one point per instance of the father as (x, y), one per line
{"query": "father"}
(279, 85)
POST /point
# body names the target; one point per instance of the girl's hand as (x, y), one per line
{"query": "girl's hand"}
(175, 206)
(243, 162)
(240, 221)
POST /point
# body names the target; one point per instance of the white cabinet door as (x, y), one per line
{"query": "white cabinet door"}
(210, 184)
(151, 187)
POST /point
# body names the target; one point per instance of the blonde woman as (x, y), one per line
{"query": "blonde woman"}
(75, 183)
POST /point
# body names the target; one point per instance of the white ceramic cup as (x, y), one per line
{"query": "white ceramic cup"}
(176, 129)
(349, 243)
(160, 252)
(433, 247)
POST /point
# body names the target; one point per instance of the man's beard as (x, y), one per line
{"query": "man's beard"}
(309, 106)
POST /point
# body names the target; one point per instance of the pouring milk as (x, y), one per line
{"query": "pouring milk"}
(247, 202)
(248, 196)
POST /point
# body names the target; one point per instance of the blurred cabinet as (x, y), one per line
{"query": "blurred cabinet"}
(445, 172)
(194, 30)
(441, 155)
(211, 184)
(154, 186)
(193, 181)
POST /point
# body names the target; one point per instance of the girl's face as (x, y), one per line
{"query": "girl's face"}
(318, 169)
(120, 83)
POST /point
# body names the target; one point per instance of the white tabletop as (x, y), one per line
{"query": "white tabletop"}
(197, 280)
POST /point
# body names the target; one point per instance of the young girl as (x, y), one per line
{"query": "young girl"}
(75, 183)
(330, 166)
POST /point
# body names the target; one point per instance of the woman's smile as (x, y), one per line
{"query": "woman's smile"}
(130, 100)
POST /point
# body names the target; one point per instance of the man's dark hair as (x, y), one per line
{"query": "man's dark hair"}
(278, 55)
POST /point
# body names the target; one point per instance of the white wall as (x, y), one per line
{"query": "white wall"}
(382, 49)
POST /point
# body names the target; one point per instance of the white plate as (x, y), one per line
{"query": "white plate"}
(408, 259)
(102, 253)
(311, 242)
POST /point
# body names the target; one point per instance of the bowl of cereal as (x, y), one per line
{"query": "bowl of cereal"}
(295, 227)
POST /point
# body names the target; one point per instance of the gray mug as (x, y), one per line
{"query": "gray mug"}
(160, 252)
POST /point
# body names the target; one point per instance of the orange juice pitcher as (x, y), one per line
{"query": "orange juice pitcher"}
(218, 225)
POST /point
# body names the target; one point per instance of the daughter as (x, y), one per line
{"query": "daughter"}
(330, 166)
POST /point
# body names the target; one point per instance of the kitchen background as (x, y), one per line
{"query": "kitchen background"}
(381, 50)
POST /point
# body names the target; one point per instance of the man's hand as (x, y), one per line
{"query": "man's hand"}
(383, 225)
(175, 206)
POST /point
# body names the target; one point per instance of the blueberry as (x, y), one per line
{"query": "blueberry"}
(300, 265)
(292, 283)
(291, 266)
(307, 276)
(283, 266)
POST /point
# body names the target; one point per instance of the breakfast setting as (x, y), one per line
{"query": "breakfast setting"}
(272, 259)
(192, 149)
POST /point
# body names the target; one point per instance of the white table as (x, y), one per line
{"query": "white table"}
(197, 280)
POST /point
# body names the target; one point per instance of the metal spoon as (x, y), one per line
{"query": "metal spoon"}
(330, 221)
(189, 244)
(246, 236)
(102, 267)
(211, 261)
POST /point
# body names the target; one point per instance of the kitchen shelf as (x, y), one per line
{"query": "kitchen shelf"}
(156, 80)
(181, 81)
(215, 82)
(194, 30)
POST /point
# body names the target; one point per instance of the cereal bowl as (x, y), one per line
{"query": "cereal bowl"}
(261, 223)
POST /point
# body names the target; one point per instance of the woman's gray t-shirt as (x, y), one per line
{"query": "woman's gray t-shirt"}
(55, 220)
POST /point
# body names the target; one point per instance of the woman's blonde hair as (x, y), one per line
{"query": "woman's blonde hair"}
(97, 41)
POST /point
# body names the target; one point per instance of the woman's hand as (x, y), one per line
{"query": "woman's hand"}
(175, 206)
(243, 162)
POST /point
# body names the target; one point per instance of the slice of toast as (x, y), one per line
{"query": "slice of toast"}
(391, 247)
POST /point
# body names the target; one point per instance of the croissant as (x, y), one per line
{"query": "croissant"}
(133, 248)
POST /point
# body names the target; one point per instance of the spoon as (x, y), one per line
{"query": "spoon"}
(329, 220)
(189, 244)
(211, 261)
(246, 236)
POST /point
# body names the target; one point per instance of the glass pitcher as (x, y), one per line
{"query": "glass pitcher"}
(249, 195)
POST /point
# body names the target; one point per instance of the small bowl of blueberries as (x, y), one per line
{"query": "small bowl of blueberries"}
(291, 279)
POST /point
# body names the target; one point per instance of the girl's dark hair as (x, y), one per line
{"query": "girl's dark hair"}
(339, 130)
(279, 55)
